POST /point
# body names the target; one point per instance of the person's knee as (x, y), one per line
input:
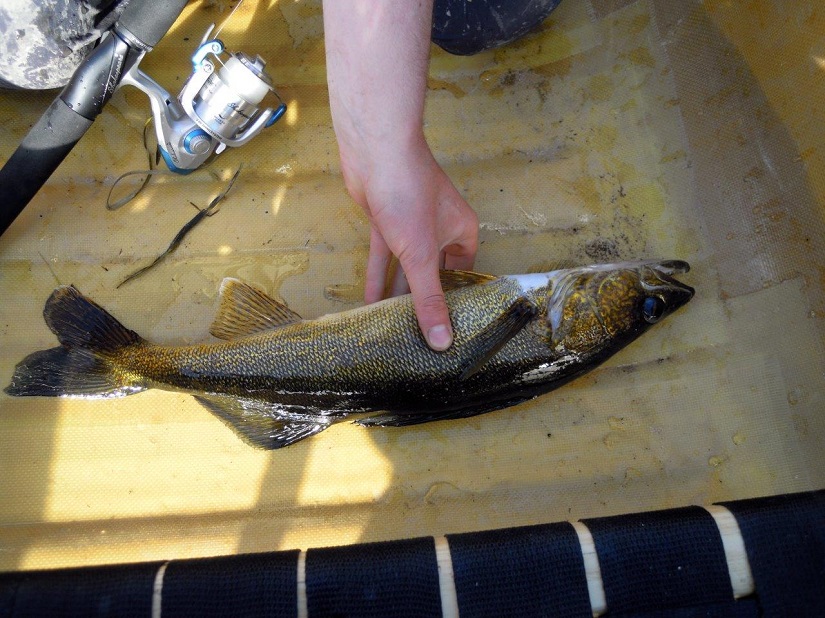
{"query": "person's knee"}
(465, 27)
(43, 42)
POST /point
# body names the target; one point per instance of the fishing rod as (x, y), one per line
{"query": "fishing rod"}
(224, 102)
(139, 28)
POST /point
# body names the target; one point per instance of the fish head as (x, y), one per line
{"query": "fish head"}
(605, 306)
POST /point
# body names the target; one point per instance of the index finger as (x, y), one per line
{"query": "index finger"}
(430, 304)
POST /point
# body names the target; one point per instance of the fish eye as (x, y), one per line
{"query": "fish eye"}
(653, 309)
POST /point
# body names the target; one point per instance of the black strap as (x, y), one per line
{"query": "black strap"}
(744, 608)
(785, 542)
(248, 585)
(530, 571)
(667, 563)
(122, 590)
(396, 579)
(660, 560)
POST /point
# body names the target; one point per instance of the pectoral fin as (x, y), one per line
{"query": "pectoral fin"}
(246, 310)
(497, 333)
(263, 425)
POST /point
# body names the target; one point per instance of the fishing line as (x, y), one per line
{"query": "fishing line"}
(210, 210)
(153, 161)
(153, 158)
(225, 21)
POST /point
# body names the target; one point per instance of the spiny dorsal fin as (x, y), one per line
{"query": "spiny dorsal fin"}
(246, 310)
(453, 279)
(551, 265)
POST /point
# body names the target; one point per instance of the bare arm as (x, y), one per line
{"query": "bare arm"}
(377, 61)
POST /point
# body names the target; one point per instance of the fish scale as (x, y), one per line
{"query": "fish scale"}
(377, 351)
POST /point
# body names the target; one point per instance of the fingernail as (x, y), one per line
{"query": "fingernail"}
(439, 337)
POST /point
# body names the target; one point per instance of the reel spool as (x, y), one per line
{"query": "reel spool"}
(217, 107)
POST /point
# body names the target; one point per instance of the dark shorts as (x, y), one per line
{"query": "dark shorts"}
(43, 41)
(467, 27)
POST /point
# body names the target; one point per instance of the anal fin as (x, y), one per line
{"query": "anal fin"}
(263, 425)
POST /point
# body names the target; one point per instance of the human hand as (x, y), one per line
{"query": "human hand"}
(377, 62)
(417, 215)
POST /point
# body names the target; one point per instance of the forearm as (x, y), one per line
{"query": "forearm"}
(377, 59)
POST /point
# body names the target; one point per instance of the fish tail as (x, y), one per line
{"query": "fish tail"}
(84, 364)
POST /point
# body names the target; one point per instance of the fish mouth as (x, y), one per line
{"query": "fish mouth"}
(665, 269)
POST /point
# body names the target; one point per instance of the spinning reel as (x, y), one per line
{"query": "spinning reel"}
(223, 103)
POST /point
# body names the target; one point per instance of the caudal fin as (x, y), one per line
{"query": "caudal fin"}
(83, 365)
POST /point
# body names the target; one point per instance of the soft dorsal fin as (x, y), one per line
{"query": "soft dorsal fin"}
(245, 310)
(453, 279)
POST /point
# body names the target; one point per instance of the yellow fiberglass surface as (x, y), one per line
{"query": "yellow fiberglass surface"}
(618, 130)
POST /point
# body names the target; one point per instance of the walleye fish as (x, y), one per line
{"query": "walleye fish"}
(276, 379)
